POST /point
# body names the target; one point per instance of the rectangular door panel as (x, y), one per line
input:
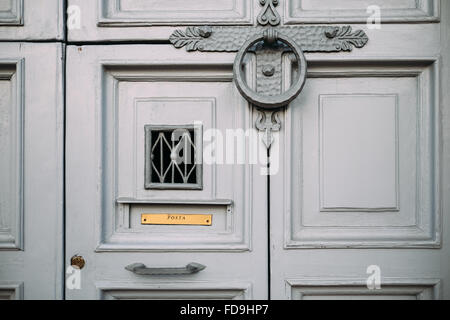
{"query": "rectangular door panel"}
(153, 20)
(356, 289)
(126, 13)
(31, 171)
(11, 146)
(374, 171)
(31, 20)
(357, 11)
(121, 169)
(172, 102)
(175, 291)
(11, 12)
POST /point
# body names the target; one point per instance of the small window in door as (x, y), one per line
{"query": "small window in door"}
(173, 157)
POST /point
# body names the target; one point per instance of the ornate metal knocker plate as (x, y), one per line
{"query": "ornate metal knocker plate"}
(269, 37)
(268, 94)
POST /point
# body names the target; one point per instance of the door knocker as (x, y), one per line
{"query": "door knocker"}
(269, 95)
(270, 36)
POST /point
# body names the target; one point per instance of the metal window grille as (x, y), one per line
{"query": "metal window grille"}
(173, 157)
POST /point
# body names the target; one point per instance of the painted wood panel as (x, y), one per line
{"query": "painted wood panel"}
(143, 21)
(31, 20)
(170, 96)
(387, 205)
(356, 289)
(11, 12)
(31, 170)
(10, 290)
(11, 151)
(174, 291)
(126, 13)
(359, 152)
(356, 11)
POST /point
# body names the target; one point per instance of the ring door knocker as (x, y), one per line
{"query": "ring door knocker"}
(269, 95)
(270, 38)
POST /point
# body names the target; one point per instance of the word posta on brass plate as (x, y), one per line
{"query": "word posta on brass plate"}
(177, 219)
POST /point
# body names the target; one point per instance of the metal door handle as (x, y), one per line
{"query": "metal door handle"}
(141, 269)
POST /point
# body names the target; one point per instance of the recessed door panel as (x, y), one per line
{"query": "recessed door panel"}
(154, 20)
(356, 11)
(360, 161)
(31, 171)
(31, 20)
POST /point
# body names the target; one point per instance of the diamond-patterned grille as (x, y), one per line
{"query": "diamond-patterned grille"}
(171, 158)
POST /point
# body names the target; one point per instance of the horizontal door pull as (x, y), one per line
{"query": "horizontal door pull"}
(141, 269)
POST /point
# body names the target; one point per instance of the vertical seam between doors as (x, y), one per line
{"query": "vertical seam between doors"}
(269, 241)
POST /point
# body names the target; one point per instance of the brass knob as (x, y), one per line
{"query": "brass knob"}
(77, 261)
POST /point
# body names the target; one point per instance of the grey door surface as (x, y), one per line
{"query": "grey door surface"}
(31, 171)
(362, 188)
(358, 165)
(31, 149)
(102, 114)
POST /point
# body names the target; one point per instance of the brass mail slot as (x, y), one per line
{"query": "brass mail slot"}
(177, 219)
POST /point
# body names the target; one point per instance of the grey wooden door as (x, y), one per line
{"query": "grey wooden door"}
(131, 94)
(362, 189)
(126, 90)
(359, 185)
(31, 149)
(31, 171)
